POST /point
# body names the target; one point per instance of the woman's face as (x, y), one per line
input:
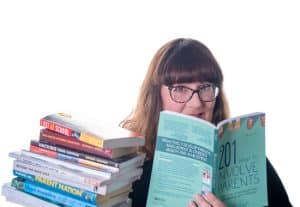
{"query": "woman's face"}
(194, 107)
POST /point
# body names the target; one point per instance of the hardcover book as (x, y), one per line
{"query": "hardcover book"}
(103, 136)
(193, 155)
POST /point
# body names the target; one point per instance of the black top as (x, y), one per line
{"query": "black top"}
(277, 195)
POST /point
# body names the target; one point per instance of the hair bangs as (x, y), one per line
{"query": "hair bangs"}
(189, 61)
(198, 72)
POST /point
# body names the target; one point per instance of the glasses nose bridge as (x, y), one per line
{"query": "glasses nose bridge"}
(197, 92)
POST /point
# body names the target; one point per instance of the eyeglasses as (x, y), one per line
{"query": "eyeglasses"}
(182, 94)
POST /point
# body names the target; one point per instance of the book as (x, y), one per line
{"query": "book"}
(54, 197)
(193, 156)
(100, 174)
(74, 192)
(72, 159)
(25, 169)
(59, 198)
(130, 160)
(54, 138)
(104, 136)
(15, 196)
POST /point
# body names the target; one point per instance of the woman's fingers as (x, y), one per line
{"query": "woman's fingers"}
(192, 204)
(201, 201)
(208, 200)
(213, 200)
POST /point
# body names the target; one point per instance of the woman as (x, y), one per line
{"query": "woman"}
(184, 77)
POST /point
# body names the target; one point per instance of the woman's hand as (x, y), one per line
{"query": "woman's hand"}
(207, 199)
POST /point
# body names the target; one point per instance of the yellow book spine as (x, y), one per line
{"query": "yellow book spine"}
(91, 139)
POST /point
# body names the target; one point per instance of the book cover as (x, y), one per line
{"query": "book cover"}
(104, 136)
(193, 155)
(51, 137)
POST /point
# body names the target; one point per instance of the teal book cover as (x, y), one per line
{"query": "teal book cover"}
(193, 155)
(241, 162)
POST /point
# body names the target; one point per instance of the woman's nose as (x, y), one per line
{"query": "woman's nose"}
(195, 101)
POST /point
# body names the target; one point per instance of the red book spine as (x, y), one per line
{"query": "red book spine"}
(73, 143)
(56, 127)
(43, 151)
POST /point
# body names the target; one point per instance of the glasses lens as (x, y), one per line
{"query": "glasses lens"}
(180, 94)
(208, 92)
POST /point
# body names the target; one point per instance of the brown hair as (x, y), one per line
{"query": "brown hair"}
(178, 61)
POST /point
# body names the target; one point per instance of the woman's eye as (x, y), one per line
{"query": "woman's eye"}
(180, 89)
(206, 87)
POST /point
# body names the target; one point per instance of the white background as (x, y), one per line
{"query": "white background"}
(90, 57)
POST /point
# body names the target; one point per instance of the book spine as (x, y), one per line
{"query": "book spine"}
(55, 173)
(105, 161)
(29, 172)
(25, 199)
(215, 162)
(56, 127)
(73, 159)
(73, 143)
(82, 136)
(74, 153)
(32, 188)
(62, 188)
(96, 173)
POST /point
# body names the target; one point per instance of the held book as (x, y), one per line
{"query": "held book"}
(194, 156)
(103, 136)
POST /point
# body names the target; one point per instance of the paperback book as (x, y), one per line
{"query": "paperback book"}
(194, 156)
(11, 194)
(83, 178)
(130, 160)
(52, 137)
(104, 136)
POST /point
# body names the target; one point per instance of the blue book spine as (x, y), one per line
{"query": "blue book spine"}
(32, 188)
(58, 187)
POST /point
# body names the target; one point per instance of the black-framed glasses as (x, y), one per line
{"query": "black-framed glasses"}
(182, 94)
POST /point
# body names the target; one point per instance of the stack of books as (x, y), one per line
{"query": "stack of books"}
(76, 164)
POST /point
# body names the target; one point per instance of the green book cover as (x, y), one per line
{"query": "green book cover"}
(193, 155)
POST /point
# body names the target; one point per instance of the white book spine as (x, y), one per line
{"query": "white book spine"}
(24, 199)
(78, 181)
(26, 155)
(73, 180)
